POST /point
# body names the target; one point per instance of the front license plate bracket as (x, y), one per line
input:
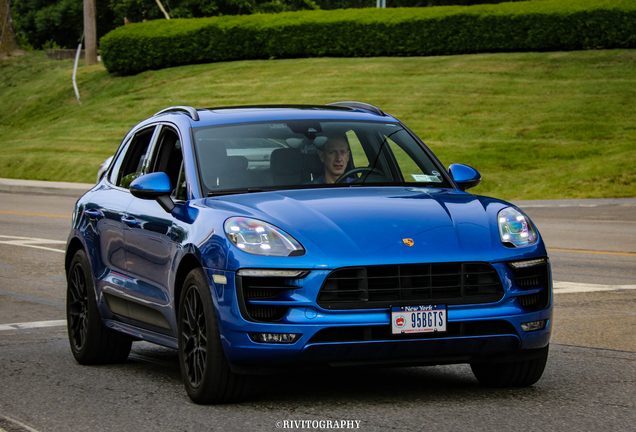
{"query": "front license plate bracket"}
(418, 319)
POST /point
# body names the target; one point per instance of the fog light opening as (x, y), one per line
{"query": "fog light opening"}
(534, 325)
(277, 338)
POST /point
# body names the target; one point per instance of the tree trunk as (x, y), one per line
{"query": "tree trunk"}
(8, 43)
(90, 32)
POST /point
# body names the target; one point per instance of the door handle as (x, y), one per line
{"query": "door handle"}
(130, 221)
(94, 214)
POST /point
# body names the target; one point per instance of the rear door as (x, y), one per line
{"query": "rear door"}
(115, 198)
(109, 213)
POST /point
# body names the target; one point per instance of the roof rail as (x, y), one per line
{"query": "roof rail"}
(183, 108)
(361, 105)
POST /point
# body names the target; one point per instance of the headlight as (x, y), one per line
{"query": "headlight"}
(515, 229)
(260, 238)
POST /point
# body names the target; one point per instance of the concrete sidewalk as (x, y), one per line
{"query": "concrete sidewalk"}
(44, 187)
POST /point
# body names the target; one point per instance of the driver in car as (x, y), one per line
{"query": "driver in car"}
(335, 154)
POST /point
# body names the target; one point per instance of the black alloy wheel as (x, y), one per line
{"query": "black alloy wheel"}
(195, 338)
(91, 342)
(77, 305)
(205, 370)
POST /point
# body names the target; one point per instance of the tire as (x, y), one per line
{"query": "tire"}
(205, 369)
(91, 342)
(522, 373)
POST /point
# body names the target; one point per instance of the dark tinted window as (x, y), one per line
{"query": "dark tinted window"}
(169, 159)
(292, 154)
(129, 164)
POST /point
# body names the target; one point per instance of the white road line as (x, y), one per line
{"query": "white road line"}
(573, 287)
(34, 247)
(31, 242)
(32, 325)
(14, 425)
(34, 239)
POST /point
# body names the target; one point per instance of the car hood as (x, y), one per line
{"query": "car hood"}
(377, 225)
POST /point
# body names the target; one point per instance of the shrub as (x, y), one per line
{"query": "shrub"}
(540, 25)
(346, 4)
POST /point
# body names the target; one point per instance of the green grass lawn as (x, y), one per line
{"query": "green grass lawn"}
(536, 125)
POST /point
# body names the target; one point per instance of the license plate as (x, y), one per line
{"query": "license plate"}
(418, 319)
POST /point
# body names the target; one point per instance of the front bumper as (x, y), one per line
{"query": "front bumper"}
(363, 336)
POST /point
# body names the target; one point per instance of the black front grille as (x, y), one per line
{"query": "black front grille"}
(408, 284)
(378, 333)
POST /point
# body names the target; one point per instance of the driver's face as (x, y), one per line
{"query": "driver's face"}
(335, 157)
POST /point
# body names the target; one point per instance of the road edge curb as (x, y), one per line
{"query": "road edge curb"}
(36, 187)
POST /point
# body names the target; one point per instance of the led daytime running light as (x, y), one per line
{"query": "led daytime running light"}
(271, 273)
(528, 263)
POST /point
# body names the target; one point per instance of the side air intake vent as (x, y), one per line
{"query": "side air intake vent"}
(533, 278)
(265, 298)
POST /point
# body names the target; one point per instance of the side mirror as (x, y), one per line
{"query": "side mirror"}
(154, 186)
(466, 177)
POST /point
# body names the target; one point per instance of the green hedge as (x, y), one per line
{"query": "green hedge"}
(540, 25)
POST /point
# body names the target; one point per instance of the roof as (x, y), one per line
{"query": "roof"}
(353, 111)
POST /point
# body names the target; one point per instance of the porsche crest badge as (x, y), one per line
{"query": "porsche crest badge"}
(408, 242)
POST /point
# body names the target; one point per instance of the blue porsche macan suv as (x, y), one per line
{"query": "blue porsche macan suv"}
(261, 238)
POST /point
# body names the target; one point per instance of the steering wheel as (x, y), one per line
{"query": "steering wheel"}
(343, 178)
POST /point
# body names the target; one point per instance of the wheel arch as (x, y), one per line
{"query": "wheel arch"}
(74, 245)
(188, 263)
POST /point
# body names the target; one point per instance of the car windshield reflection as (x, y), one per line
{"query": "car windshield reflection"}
(257, 157)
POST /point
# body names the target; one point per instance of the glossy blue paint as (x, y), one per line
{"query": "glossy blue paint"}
(137, 248)
(445, 226)
(151, 186)
(465, 176)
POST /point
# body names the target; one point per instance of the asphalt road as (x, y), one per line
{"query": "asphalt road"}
(589, 383)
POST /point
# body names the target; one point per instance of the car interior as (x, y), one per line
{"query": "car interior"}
(287, 155)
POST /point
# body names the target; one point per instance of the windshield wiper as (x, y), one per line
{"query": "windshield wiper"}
(238, 191)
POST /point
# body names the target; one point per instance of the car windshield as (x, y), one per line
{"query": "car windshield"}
(306, 154)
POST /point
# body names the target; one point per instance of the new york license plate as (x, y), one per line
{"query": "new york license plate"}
(418, 319)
